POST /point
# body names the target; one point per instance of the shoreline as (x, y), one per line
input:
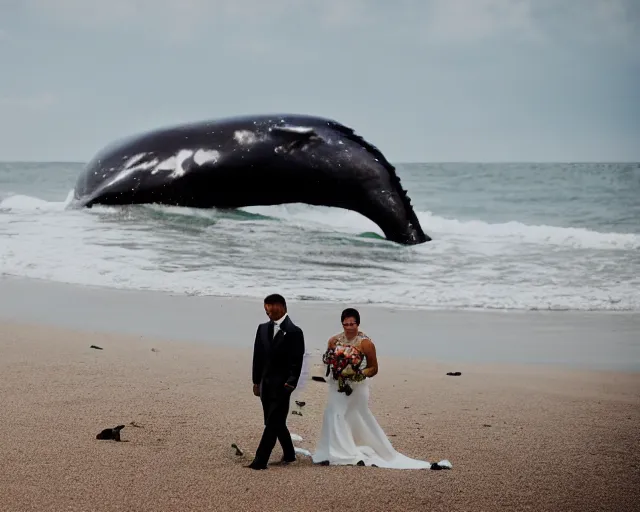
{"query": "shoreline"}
(328, 303)
(573, 339)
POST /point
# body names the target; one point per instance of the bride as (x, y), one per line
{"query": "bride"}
(350, 433)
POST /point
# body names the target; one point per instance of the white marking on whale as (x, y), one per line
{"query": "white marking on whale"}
(175, 163)
(245, 137)
(130, 167)
(293, 129)
(181, 157)
(168, 164)
(204, 156)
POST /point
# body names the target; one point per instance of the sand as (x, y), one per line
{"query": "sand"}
(519, 436)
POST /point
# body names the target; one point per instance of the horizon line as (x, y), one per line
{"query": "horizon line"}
(408, 162)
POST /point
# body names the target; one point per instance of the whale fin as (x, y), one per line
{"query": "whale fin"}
(307, 131)
(297, 137)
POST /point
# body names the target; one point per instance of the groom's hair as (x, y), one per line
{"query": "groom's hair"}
(350, 313)
(275, 298)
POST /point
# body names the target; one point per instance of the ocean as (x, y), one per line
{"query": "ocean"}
(521, 236)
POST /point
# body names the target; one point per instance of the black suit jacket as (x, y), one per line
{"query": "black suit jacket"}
(279, 360)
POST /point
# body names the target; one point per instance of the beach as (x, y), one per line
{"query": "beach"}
(545, 414)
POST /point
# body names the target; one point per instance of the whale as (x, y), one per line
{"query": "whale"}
(240, 161)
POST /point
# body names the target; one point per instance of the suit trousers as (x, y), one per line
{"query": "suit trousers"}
(275, 405)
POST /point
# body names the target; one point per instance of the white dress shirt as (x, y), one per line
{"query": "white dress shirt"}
(276, 324)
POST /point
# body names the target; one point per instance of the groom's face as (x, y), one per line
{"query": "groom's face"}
(274, 311)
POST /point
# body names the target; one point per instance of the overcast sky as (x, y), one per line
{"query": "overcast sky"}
(424, 80)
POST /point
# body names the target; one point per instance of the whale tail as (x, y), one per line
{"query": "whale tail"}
(415, 234)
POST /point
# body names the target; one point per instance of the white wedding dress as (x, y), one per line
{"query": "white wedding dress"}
(350, 432)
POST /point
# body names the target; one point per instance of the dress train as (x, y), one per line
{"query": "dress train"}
(350, 433)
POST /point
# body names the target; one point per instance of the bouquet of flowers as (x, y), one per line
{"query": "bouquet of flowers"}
(344, 363)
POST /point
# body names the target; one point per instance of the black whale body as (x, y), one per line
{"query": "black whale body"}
(253, 160)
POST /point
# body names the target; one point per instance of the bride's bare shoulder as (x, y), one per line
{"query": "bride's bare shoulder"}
(364, 337)
(366, 341)
(332, 341)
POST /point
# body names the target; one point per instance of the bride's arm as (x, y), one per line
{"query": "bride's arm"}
(369, 350)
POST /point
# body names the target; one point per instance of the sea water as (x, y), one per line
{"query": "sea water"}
(560, 236)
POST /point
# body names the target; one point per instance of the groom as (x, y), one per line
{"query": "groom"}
(277, 363)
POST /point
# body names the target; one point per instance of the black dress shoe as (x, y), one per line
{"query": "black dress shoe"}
(255, 465)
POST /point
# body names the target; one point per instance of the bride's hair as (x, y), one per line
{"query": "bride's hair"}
(350, 313)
